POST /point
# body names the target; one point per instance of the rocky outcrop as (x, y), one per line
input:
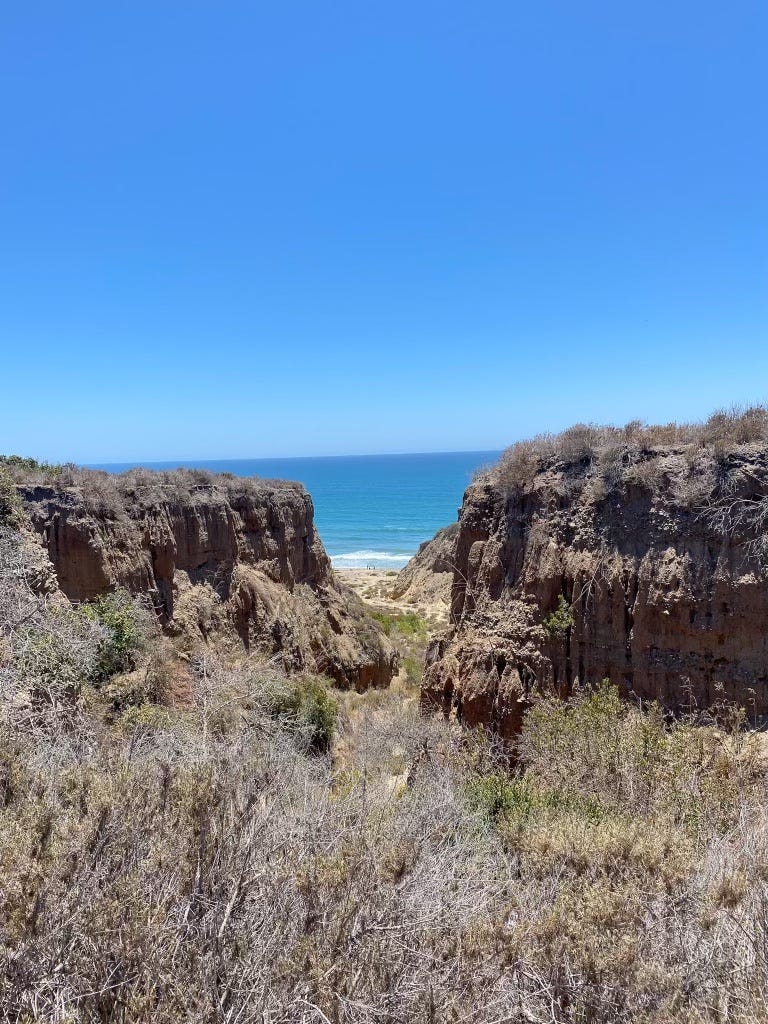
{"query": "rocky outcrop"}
(233, 563)
(646, 567)
(428, 577)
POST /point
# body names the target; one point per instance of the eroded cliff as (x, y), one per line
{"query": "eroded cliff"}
(609, 556)
(226, 562)
(428, 576)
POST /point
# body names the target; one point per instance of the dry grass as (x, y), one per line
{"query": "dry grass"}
(206, 865)
(619, 449)
(716, 472)
(165, 875)
(111, 493)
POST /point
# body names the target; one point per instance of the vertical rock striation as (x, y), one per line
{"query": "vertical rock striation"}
(231, 562)
(642, 565)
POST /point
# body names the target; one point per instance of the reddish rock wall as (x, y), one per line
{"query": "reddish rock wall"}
(221, 564)
(667, 601)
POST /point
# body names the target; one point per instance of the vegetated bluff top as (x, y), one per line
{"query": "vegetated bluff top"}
(723, 432)
(146, 486)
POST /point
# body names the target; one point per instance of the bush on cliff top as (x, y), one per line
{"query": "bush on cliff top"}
(11, 508)
(721, 433)
(111, 493)
(21, 465)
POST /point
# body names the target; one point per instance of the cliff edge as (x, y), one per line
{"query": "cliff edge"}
(227, 561)
(634, 554)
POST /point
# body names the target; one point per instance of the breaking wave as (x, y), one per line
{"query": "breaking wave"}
(362, 559)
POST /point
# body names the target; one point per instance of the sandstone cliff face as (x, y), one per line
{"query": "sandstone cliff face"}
(237, 564)
(656, 559)
(428, 577)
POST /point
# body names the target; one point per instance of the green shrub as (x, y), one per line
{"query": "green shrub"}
(596, 746)
(11, 509)
(514, 800)
(128, 690)
(146, 716)
(586, 734)
(125, 637)
(58, 653)
(497, 796)
(559, 621)
(408, 625)
(305, 708)
(385, 620)
(413, 669)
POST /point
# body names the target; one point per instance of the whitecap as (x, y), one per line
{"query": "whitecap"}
(362, 559)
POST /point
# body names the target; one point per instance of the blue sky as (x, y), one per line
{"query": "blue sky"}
(235, 229)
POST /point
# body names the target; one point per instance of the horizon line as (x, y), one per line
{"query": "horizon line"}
(287, 458)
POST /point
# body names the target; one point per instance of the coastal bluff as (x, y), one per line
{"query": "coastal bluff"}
(234, 563)
(428, 576)
(637, 555)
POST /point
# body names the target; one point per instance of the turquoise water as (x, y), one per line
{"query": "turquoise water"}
(369, 509)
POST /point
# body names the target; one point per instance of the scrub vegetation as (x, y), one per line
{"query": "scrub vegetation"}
(260, 853)
(406, 625)
(111, 493)
(634, 454)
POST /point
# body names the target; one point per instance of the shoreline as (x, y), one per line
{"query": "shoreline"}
(375, 571)
(372, 565)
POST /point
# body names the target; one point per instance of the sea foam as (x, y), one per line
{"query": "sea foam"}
(362, 559)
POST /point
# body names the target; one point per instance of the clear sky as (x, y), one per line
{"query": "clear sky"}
(292, 228)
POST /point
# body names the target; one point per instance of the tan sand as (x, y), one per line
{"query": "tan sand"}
(374, 586)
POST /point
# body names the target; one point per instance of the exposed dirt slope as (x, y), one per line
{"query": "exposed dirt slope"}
(428, 577)
(225, 562)
(654, 557)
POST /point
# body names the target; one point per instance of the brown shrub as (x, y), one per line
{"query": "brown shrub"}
(109, 494)
(205, 865)
(619, 448)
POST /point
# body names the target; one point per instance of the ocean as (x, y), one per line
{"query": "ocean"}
(369, 509)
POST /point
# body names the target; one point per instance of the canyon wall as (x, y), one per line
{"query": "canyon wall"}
(428, 576)
(231, 563)
(644, 566)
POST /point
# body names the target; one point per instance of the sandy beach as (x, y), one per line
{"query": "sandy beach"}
(374, 586)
